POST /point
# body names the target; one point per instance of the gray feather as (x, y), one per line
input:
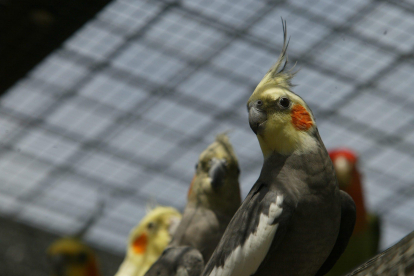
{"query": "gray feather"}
(308, 225)
(208, 213)
(178, 261)
(348, 218)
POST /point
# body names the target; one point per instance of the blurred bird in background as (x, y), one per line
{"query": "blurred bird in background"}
(366, 236)
(148, 240)
(69, 256)
(213, 198)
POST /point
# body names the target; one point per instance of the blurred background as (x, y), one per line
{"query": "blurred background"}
(115, 100)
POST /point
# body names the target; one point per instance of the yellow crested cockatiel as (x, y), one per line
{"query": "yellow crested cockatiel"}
(148, 240)
(294, 221)
(70, 257)
(365, 238)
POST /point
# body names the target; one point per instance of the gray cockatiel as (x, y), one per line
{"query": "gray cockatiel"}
(213, 198)
(294, 221)
(178, 261)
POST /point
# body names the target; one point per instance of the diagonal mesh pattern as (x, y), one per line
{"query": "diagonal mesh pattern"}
(123, 109)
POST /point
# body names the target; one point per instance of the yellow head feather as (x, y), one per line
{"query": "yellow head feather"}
(226, 195)
(148, 240)
(286, 130)
(277, 74)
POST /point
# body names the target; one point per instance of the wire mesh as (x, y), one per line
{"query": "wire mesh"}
(122, 110)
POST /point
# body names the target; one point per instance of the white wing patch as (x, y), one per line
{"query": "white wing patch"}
(246, 259)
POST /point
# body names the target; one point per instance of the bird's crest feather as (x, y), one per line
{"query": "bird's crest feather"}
(278, 74)
(151, 205)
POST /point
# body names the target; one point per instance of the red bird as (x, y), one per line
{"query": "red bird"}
(365, 238)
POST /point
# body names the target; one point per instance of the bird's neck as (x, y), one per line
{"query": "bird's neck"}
(274, 162)
(285, 140)
(226, 201)
(295, 167)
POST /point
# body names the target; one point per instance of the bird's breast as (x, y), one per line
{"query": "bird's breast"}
(309, 239)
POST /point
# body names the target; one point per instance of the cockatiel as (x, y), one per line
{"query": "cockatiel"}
(365, 238)
(213, 198)
(294, 221)
(70, 257)
(148, 240)
(178, 261)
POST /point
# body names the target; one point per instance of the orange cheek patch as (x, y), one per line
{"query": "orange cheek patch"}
(301, 119)
(140, 244)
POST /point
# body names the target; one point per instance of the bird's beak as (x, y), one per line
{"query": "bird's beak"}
(217, 172)
(257, 119)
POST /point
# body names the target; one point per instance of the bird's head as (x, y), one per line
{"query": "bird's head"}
(153, 233)
(70, 257)
(216, 180)
(344, 161)
(282, 120)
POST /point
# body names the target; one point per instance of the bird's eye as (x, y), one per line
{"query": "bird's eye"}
(284, 102)
(150, 225)
(259, 102)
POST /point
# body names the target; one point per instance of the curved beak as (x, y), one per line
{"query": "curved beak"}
(257, 118)
(217, 172)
